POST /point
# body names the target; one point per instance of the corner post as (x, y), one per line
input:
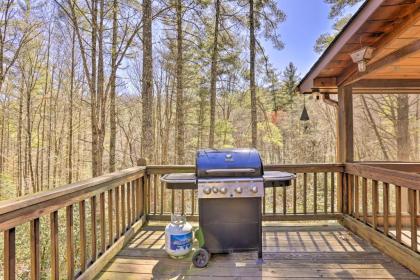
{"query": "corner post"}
(345, 144)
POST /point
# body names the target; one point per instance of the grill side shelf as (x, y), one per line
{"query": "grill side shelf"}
(179, 181)
(278, 179)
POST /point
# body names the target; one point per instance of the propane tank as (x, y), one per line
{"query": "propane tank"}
(178, 237)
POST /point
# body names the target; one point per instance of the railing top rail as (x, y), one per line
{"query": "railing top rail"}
(392, 176)
(311, 167)
(306, 168)
(17, 211)
(395, 165)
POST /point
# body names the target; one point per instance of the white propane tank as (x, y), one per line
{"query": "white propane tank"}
(178, 237)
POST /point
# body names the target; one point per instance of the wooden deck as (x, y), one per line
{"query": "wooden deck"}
(291, 251)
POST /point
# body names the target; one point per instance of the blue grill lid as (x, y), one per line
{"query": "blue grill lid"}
(228, 163)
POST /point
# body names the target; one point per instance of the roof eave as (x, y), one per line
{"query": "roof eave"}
(351, 28)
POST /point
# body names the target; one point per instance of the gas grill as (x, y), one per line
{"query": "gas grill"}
(230, 184)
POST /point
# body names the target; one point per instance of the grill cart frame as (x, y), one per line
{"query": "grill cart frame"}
(230, 185)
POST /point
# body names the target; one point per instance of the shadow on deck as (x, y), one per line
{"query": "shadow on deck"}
(290, 251)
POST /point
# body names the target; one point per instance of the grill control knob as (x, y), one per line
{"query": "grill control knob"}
(215, 189)
(207, 190)
(254, 189)
(238, 190)
(223, 190)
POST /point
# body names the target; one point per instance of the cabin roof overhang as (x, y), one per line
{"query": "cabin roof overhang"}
(392, 29)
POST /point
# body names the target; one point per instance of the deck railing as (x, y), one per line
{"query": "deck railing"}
(386, 199)
(375, 196)
(106, 208)
(73, 231)
(312, 195)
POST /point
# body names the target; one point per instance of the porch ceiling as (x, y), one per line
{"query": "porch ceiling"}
(391, 27)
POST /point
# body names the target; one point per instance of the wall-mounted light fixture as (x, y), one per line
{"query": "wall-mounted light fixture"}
(361, 57)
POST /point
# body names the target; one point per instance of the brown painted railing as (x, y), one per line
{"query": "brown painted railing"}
(89, 222)
(313, 195)
(106, 207)
(386, 199)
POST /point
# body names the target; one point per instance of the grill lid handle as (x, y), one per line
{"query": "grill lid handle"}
(230, 170)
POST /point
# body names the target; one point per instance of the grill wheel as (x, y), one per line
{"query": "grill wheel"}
(201, 258)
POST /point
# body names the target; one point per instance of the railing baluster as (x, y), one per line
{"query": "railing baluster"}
(332, 192)
(192, 203)
(412, 202)
(82, 221)
(350, 199)
(304, 191)
(117, 213)
(102, 221)
(162, 196)
(182, 202)
(93, 227)
(69, 242)
(155, 189)
(133, 202)
(263, 205)
(35, 254)
(315, 192)
(148, 196)
(110, 218)
(9, 254)
(139, 197)
(54, 245)
(364, 199)
(128, 200)
(173, 201)
(398, 213)
(284, 201)
(325, 192)
(375, 203)
(274, 201)
(294, 195)
(386, 208)
(356, 197)
(122, 189)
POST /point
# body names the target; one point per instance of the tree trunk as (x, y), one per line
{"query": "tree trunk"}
(70, 135)
(375, 128)
(180, 153)
(93, 93)
(147, 84)
(213, 75)
(402, 132)
(101, 97)
(252, 74)
(112, 109)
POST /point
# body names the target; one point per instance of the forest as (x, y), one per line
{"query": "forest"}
(90, 87)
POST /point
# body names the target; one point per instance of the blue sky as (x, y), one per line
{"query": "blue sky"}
(306, 20)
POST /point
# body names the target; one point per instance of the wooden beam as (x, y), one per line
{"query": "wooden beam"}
(329, 82)
(345, 121)
(387, 83)
(384, 61)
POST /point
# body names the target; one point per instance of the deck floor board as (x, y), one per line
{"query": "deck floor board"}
(290, 252)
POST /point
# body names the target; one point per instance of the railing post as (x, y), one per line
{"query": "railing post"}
(35, 252)
(345, 143)
(144, 185)
(9, 254)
